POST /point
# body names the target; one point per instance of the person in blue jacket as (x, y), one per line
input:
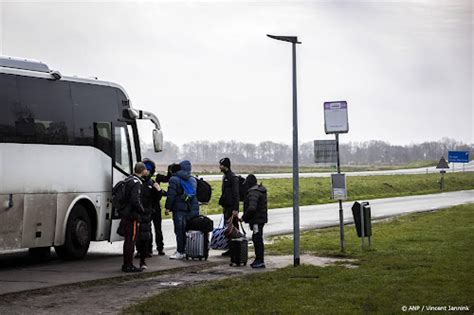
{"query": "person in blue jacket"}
(182, 201)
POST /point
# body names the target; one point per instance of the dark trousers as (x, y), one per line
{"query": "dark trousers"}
(257, 239)
(156, 217)
(142, 248)
(130, 235)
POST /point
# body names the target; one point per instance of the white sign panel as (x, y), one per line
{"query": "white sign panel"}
(335, 117)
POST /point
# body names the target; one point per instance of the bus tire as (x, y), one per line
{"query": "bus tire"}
(78, 235)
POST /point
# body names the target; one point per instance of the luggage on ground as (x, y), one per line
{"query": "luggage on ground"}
(239, 249)
(200, 223)
(218, 240)
(197, 245)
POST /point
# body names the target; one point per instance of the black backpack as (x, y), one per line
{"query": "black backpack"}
(203, 190)
(242, 189)
(119, 195)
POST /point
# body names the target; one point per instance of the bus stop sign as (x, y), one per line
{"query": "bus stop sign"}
(335, 117)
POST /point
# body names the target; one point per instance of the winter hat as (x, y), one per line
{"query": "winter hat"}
(225, 162)
(175, 167)
(150, 165)
(250, 181)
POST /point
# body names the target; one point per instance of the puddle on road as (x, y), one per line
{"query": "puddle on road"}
(170, 284)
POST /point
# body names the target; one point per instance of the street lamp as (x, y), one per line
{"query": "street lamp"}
(296, 207)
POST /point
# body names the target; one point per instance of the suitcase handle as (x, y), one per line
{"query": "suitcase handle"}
(242, 226)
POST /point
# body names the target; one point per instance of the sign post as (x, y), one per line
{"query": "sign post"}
(336, 122)
(442, 164)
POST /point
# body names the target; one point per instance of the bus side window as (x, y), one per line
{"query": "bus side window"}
(132, 144)
(103, 137)
(122, 152)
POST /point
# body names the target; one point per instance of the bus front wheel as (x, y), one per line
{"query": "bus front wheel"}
(78, 235)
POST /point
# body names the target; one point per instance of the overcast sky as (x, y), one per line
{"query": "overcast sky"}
(209, 72)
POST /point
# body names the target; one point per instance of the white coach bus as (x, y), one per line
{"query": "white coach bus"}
(64, 143)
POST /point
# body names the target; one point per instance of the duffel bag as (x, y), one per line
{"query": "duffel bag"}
(200, 223)
(218, 239)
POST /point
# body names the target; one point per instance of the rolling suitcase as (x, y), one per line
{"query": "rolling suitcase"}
(239, 249)
(197, 245)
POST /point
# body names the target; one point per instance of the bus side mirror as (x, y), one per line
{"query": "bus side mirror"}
(130, 113)
(158, 140)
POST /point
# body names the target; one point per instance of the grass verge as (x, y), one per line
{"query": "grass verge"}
(422, 259)
(317, 190)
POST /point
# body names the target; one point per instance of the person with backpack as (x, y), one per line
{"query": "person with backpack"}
(151, 196)
(182, 202)
(130, 214)
(256, 215)
(156, 214)
(229, 199)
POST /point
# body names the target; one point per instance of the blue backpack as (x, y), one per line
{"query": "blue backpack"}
(188, 191)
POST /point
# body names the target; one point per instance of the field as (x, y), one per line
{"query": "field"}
(418, 260)
(317, 190)
(267, 169)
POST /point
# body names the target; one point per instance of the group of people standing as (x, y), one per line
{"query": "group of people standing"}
(255, 207)
(143, 195)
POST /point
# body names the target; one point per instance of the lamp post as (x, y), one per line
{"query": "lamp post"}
(296, 208)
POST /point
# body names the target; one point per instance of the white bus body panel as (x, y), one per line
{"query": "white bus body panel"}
(44, 182)
(41, 168)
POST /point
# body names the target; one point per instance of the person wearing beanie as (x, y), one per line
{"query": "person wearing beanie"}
(256, 215)
(151, 196)
(131, 214)
(229, 199)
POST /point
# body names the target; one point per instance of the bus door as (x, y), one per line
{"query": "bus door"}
(124, 158)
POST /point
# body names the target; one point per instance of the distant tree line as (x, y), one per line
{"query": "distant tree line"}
(268, 152)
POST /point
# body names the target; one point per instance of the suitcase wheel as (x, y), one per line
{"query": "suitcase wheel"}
(187, 257)
(245, 264)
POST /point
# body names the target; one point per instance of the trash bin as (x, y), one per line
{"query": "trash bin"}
(356, 211)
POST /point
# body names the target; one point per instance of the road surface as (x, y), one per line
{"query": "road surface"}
(281, 220)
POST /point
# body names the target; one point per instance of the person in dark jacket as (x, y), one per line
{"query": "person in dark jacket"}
(182, 201)
(131, 215)
(156, 214)
(229, 199)
(151, 196)
(256, 215)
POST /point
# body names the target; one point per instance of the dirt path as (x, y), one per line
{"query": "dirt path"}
(111, 296)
